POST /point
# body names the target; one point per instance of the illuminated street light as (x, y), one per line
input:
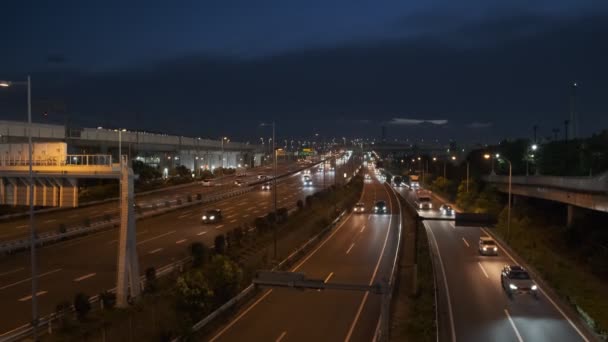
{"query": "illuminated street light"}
(33, 235)
(487, 156)
(434, 158)
(534, 147)
(453, 157)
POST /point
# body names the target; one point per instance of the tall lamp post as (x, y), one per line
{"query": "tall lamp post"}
(227, 141)
(120, 130)
(274, 184)
(33, 260)
(497, 156)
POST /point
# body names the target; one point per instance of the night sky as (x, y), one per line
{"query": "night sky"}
(474, 71)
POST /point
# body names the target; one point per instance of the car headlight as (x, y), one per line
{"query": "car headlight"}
(212, 217)
(204, 217)
(495, 249)
(376, 208)
(534, 287)
(512, 287)
(485, 248)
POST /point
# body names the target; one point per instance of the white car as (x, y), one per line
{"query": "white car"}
(239, 182)
(206, 182)
(359, 208)
(261, 176)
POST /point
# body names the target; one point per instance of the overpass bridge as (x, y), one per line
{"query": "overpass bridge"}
(583, 192)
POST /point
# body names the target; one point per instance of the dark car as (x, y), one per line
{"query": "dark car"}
(359, 208)
(380, 207)
(446, 210)
(212, 216)
(516, 280)
(266, 186)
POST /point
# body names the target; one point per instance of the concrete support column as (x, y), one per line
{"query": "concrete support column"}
(127, 282)
(570, 217)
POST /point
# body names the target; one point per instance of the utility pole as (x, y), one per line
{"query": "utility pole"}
(566, 123)
(274, 195)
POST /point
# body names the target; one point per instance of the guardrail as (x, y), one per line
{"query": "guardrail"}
(382, 332)
(586, 184)
(46, 322)
(251, 287)
(154, 210)
(158, 208)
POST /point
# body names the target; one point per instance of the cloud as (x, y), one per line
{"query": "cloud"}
(476, 124)
(411, 122)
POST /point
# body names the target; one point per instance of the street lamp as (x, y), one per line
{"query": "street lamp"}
(497, 156)
(227, 141)
(120, 130)
(274, 185)
(28, 84)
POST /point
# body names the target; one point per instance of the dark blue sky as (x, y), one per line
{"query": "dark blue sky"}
(489, 68)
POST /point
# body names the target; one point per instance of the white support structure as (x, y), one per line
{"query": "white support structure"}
(127, 282)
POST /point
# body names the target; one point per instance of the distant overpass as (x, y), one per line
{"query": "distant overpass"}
(584, 192)
(158, 149)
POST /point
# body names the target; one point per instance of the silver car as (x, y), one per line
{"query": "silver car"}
(516, 280)
(487, 246)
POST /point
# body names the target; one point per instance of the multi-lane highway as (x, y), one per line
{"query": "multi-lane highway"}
(88, 264)
(478, 308)
(11, 229)
(358, 251)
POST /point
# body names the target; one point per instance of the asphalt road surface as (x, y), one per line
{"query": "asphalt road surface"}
(11, 229)
(479, 309)
(88, 264)
(358, 251)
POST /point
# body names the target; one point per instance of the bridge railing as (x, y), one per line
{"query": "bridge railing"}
(583, 184)
(68, 160)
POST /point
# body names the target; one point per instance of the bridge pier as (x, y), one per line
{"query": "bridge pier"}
(573, 214)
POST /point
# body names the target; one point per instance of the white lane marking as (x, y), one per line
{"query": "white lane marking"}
(483, 269)
(202, 233)
(369, 217)
(86, 276)
(240, 316)
(328, 277)
(465, 242)
(233, 221)
(26, 298)
(249, 209)
(295, 268)
(514, 327)
(452, 225)
(371, 280)
(49, 221)
(180, 241)
(351, 247)
(229, 216)
(362, 229)
(182, 216)
(281, 336)
(246, 215)
(445, 279)
(220, 226)
(13, 271)
(321, 244)
(23, 226)
(155, 251)
(544, 294)
(28, 279)
(156, 237)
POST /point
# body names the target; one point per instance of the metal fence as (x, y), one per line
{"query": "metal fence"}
(69, 160)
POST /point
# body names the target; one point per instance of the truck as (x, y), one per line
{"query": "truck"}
(414, 184)
(423, 199)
